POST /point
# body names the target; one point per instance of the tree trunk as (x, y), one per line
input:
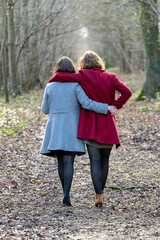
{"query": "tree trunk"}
(1, 76)
(149, 26)
(125, 65)
(4, 72)
(5, 55)
(13, 70)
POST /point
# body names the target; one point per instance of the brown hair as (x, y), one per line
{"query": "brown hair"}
(91, 60)
(64, 64)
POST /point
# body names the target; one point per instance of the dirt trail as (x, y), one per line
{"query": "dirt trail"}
(31, 195)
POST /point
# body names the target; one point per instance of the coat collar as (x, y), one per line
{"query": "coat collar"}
(94, 69)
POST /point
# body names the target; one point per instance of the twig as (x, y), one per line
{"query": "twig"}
(128, 188)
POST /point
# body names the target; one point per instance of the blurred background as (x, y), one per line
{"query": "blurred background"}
(34, 34)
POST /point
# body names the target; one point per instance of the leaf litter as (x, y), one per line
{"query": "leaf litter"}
(31, 194)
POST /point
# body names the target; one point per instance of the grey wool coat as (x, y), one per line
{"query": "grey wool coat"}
(62, 102)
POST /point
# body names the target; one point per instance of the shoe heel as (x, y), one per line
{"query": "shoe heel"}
(99, 200)
(99, 205)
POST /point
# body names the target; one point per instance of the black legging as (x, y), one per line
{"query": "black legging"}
(65, 171)
(99, 159)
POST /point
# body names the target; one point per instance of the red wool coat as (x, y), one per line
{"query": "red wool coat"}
(99, 86)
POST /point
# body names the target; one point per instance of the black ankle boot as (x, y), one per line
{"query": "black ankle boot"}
(67, 202)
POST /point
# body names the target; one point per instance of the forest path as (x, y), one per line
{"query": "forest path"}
(31, 194)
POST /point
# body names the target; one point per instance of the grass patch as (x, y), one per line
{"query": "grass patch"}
(19, 113)
(140, 96)
(144, 109)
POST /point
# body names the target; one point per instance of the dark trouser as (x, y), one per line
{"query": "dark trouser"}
(65, 171)
(99, 159)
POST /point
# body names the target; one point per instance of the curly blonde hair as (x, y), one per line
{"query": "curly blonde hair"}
(91, 60)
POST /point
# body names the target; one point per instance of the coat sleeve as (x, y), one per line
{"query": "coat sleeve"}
(45, 103)
(66, 77)
(90, 104)
(124, 90)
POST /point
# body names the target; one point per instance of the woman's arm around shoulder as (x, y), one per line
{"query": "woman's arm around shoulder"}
(66, 77)
(88, 103)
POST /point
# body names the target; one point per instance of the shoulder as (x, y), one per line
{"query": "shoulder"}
(60, 85)
(111, 75)
(96, 70)
(49, 85)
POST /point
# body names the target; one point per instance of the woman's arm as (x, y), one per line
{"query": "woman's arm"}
(45, 104)
(66, 77)
(90, 104)
(125, 93)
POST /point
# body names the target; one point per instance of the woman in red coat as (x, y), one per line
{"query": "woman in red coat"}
(98, 131)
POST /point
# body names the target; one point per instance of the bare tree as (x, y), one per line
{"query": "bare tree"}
(41, 38)
(46, 30)
(149, 26)
(4, 54)
(115, 25)
(13, 71)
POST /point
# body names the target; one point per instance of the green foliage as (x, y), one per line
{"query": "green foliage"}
(140, 96)
(158, 90)
(14, 121)
(155, 106)
(144, 108)
(157, 102)
(16, 116)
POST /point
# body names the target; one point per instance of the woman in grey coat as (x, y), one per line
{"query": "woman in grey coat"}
(62, 102)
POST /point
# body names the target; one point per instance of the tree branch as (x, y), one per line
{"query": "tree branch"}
(24, 41)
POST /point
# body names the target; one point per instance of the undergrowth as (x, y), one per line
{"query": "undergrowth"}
(19, 113)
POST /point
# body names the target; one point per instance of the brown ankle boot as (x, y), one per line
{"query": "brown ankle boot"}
(99, 200)
(102, 194)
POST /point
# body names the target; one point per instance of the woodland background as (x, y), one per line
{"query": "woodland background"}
(33, 35)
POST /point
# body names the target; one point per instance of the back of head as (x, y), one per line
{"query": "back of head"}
(91, 60)
(65, 64)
